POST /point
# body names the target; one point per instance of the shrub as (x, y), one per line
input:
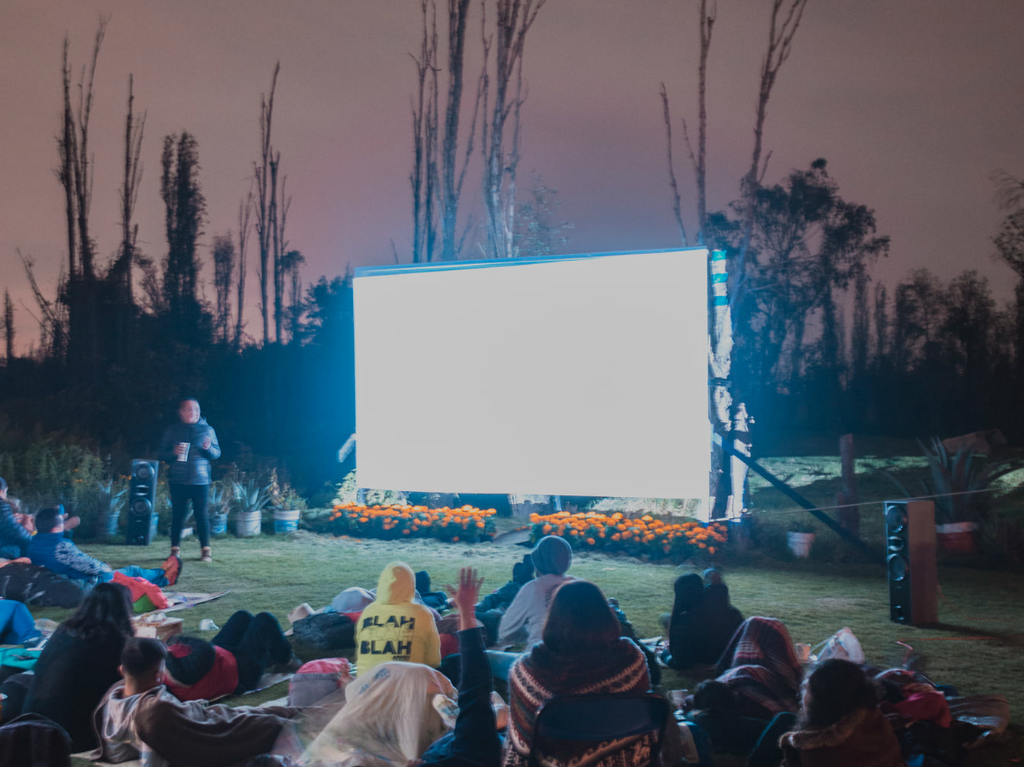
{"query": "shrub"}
(636, 536)
(466, 524)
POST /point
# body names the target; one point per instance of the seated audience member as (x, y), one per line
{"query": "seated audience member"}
(474, 740)
(581, 652)
(79, 663)
(492, 607)
(524, 618)
(232, 662)
(50, 549)
(394, 627)
(761, 668)
(17, 626)
(721, 619)
(14, 537)
(684, 627)
(140, 719)
(839, 721)
(391, 715)
(436, 600)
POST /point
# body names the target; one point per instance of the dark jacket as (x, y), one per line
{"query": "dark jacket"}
(14, 538)
(196, 470)
(71, 677)
(861, 738)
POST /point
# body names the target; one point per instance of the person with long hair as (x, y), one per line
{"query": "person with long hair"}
(582, 652)
(80, 662)
(839, 721)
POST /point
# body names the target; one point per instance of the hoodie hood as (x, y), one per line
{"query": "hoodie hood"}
(397, 584)
(861, 737)
(118, 739)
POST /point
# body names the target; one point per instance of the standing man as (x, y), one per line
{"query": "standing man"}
(189, 446)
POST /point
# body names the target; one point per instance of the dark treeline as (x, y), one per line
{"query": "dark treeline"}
(821, 347)
(291, 403)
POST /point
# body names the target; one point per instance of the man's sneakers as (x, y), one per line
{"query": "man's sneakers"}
(206, 556)
(172, 567)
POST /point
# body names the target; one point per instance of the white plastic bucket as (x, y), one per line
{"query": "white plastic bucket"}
(800, 544)
(247, 524)
(286, 521)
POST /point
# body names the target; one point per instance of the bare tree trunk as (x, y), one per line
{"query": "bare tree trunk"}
(262, 176)
(133, 132)
(451, 176)
(423, 178)
(66, 171)
(849, 517)
(244, 225)
(83, 177)
(501, 151)
(275, 254)
(707, 23)
(677, 208)
(9, 326)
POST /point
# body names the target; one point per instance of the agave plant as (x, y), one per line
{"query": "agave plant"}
(220, 497)
(251, 497)
(959, 482)
(112, 495)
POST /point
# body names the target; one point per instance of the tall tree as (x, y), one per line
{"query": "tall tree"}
(244, 227)
(223, 281)
(8, 326)
(423, 179)
(261, 173)
(500, 137)
(134, 128)
(185, 211)
(291, 262)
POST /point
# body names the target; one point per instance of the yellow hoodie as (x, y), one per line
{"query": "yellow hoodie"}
(394, 627)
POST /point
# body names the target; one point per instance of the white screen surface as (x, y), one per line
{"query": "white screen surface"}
(578, 375)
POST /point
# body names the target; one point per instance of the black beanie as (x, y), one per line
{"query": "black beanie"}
(189, 659)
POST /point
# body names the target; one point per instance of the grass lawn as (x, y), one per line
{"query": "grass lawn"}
(977, 648)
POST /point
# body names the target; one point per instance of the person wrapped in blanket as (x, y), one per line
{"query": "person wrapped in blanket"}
(50, 549)
(758, 677)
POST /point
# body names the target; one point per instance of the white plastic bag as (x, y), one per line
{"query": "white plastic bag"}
(843, 645)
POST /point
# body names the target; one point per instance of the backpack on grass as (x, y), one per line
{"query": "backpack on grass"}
(325, 631)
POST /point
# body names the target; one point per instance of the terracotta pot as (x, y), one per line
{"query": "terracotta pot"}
(958, 537)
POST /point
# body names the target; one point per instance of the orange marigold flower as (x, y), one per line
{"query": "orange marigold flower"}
(591, 541)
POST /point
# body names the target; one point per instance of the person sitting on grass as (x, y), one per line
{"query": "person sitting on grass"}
(79, 663)
(524, 618)
(14, 536)
(839, 721)
(139, 718)
(232, 662)
(702, 621)
(582, 652)
(491, 608)
(394, 627)
(50, 549)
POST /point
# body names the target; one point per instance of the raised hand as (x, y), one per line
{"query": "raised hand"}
(466, 596)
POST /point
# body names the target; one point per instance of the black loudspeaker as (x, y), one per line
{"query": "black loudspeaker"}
(141, 502)
(910, 561)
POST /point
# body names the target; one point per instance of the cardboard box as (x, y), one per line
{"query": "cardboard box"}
(162, 629)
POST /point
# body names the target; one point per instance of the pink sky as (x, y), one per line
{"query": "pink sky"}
(913, 103)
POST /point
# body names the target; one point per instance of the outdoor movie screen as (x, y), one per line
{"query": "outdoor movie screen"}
(566, 375)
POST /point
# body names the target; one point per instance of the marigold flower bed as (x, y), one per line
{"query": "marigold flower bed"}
(638, 536)
(466, 524)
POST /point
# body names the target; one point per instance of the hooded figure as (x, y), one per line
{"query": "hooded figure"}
(394, 627)
(552, 557)
(685, 627)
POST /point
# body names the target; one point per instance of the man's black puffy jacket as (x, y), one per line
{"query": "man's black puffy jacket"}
(196, 470)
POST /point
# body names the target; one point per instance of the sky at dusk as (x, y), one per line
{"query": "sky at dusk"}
(914, 104)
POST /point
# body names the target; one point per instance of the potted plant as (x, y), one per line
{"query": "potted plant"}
(219, 501)
(250, 500)
(799, 538)
(288, 508)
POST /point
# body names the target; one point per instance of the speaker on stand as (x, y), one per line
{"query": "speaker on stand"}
(910, 561)
(141, 502)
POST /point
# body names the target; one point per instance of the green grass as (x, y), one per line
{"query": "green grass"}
(978, 646)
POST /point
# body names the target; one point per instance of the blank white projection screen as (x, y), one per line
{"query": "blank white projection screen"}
(576, 375)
